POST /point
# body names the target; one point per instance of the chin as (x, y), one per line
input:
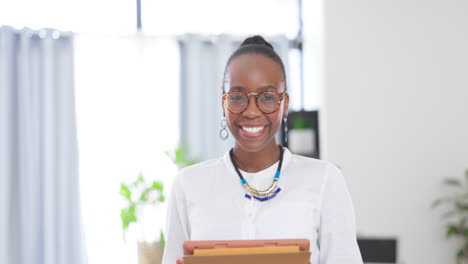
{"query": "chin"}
(253, 146)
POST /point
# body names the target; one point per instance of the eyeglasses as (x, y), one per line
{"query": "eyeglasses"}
(268, 102)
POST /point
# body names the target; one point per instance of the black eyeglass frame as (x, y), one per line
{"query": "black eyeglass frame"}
(280, 95)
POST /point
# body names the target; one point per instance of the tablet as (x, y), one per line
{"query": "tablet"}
(282, 245)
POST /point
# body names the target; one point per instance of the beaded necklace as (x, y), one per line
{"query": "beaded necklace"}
(267, 194)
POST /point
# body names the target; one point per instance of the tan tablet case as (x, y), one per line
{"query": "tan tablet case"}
(280, 251)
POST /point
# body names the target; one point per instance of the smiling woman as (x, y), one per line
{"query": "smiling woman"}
(231, 197)
(255, 69)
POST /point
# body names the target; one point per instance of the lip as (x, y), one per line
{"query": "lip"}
(247, 135)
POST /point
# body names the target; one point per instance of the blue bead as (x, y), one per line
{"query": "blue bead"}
(248, 196)
(243, 181)
(277, 175)
(261, 199)
(277, 191)
(271, 196)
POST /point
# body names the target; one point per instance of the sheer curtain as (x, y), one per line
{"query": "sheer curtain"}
(127, 112)
(203, 59)
(39, 186)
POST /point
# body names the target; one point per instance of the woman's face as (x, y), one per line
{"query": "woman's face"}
(254, 73)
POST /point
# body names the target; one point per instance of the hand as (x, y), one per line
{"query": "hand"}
(179, 261)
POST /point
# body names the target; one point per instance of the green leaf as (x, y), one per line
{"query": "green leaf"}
(128, 215)
(139, 180)
(161, 198)
(125, 218)
(157, 186)
(300, 123)
(452, 182)
(162, 240)
(180, 154)
(452, 230)
(181, 158)
(125, 191)
(191, 162)
(461, 205)
(460, 255)
(144, 195)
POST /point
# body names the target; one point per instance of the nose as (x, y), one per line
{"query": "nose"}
(252, 110)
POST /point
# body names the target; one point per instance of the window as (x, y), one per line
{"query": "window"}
(127, 115)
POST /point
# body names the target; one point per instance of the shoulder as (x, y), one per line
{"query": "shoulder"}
(307, 164)
(311, 171)
(199, 171)
(299, 160)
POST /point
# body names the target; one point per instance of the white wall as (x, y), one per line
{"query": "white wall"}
(396, 113)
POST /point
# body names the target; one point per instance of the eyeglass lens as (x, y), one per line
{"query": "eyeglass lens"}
(267, 102)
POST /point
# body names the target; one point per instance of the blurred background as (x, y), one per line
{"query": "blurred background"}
(101, 102)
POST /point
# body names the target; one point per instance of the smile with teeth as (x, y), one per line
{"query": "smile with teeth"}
(253, 130)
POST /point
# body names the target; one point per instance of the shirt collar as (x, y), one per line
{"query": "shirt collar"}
(227, 161)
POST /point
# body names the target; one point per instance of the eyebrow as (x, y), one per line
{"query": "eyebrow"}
(266, 87)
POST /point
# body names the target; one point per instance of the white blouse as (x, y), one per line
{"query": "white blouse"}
(207, 203)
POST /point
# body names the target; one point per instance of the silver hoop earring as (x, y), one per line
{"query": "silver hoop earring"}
(223, 133)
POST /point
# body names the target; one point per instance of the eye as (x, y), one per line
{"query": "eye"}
(236, 97)
(269, 97)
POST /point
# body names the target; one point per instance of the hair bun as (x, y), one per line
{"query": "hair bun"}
(256, 40)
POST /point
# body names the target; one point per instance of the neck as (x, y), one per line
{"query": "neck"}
(256, 161)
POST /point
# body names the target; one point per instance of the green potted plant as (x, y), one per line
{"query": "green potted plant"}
(138, 195)
(141, 194)
(456, 214)
(301, 136)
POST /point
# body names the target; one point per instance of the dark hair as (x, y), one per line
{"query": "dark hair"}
(257, 45)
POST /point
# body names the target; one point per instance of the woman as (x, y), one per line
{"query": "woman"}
(259, 190)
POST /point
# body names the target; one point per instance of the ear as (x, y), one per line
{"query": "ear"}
(286, 104)
(222, 106)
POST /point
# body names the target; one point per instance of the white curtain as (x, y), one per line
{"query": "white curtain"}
(202, 65)
(127, 117)
(39, 186)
